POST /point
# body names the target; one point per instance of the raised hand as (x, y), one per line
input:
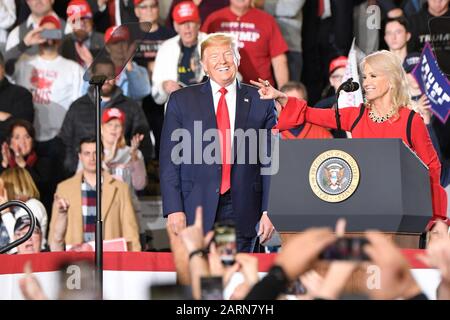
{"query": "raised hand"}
(423, 107)
(29, 285)
(62, 207)
(312, 242)
(396, 278)
(266, 91)
(6, 155)
(135, 142)
(192, 236)
(20, 158)
(110, 154)
(84, 53)
(34, 37)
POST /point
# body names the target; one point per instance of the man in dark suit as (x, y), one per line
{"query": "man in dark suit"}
(225, 108)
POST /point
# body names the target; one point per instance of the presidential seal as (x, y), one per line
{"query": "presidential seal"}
(334, 176)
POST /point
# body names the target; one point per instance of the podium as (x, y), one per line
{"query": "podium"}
(391, 188)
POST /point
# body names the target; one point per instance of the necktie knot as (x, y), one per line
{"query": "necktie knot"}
(223, 91)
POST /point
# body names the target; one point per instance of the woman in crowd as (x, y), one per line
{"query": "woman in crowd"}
(18, 185)
(125, 163)
(384, 115)
(18, 152)
(122, 161)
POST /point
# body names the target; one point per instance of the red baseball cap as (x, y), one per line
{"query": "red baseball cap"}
(185, 11)
(79, 8)
(116, 33)
(50, 19)
(113, 113)
(339, 62)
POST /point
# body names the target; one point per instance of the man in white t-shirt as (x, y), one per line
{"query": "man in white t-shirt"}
(55, 82)
(24, 38)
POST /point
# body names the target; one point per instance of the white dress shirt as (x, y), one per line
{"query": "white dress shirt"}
(230, 97)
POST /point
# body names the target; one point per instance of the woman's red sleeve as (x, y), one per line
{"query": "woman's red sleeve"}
(296, 112)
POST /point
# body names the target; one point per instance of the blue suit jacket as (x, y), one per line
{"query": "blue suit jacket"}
(184, 186)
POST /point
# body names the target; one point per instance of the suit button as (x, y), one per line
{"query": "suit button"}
(217, 190)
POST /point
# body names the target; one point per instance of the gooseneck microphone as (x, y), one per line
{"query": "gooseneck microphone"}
(348, 86)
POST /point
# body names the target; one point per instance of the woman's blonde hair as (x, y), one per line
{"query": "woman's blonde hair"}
(19, 183)
(390, 65)
(120, 144)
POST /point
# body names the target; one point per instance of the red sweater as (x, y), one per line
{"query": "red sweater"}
(296, 112)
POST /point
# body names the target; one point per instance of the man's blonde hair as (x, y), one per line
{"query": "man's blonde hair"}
(220, 38)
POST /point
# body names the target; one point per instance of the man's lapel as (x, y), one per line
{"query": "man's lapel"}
(243, 103)
(108, 194)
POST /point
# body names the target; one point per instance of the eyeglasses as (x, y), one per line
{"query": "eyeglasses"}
(149, 6)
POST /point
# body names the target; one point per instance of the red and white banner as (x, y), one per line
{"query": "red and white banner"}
(129, 275)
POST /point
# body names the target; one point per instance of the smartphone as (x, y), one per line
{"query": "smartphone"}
(211, 288)
(53, 34)
(225, 240)
(346, 249)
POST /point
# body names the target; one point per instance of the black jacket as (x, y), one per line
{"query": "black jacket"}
(17, 101)
(102, 19)
(79, 123)
(68, 50)
(420, 32)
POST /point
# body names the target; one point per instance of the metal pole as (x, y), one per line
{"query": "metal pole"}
(98, 178)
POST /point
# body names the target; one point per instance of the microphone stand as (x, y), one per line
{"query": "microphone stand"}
(133, 32)
(97, 82)
(343, 86)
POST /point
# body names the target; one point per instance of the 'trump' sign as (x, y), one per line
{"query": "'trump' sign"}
(433, 83)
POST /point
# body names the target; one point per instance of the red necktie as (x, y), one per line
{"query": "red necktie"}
(321, 8)
(223, 124)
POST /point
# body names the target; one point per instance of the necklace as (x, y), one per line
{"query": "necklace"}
(380, 119)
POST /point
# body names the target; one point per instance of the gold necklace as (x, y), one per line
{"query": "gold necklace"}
(380, 119)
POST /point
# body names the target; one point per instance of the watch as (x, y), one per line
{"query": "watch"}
(200, 252)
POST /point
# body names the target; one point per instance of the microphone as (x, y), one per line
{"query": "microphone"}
(349, 86)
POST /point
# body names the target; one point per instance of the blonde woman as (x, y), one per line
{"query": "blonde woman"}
(385, 115)
(19, 185)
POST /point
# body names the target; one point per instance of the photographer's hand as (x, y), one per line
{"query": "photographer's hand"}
(34, 37)
(194, 241)
(295, 262)
(397, 280)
